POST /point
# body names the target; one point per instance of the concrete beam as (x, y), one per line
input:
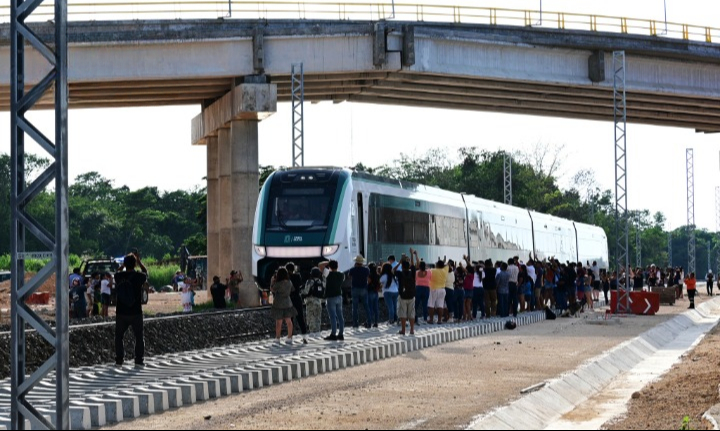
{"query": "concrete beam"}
(244, 102)
(510, 109)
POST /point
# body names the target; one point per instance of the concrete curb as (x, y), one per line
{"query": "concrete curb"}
(561, 396)
(106, 395)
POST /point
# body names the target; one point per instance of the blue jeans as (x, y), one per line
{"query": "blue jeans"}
(450, 302)
(422, 296)
(359, 297)
(513, 300)
(503, 304)
(334, 307)
(478, 302)
(391, 302)
(374, 305)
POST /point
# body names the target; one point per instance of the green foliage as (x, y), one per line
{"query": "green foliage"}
(34, 265)
(106, 220)
(686, 423)
(161, 275)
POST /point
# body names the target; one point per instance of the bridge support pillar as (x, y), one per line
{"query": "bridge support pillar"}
(245, 179)
(224, 204)
(213, 227)
(229, 127)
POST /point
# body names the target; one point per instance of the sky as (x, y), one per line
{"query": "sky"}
(141, 147)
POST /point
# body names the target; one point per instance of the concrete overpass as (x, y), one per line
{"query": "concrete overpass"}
(239, 69)
(477, 67)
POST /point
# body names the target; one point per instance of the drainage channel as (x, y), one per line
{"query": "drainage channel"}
(103, 395)
(608, 381)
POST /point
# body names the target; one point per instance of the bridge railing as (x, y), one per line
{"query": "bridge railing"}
(101, 10)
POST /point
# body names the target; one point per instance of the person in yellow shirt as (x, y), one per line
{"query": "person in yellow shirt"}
(438, 280)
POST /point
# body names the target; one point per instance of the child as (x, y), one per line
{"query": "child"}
(185, 295)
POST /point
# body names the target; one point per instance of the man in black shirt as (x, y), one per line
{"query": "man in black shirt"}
(297, 282)
(217, 290)
(129, 286)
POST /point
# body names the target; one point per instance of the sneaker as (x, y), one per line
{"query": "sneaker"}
(341, 337)
(139, 364)
(118, 364)
(367, 326)
(277, 341)
(331, 338)
(375, 325)
(401, 333)
(412, 333)
(305, 341)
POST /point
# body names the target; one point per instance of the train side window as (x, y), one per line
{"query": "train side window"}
(361, 223)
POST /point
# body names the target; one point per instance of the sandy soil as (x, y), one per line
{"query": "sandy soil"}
(689, 389)
(439, 388)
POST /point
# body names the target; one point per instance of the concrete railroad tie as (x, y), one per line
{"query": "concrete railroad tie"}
(105, 394)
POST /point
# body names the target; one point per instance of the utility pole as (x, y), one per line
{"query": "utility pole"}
(298, 112)
(670, 250)
(54, 241)
(622, 245)
(638, 244)
(507, 169)
(690, 169)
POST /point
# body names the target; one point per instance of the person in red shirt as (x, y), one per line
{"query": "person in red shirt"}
(691, 284)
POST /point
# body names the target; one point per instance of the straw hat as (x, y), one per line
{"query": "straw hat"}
(360, 259)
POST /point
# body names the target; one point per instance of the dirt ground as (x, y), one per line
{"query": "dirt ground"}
(440, 388)
(159, 303)
(689, 389)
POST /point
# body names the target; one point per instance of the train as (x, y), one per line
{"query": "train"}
(311, 215)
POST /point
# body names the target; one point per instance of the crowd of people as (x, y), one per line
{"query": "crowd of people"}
(416, 293)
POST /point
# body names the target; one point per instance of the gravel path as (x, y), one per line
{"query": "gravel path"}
(440, 388)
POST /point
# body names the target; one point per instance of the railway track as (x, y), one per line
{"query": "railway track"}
(160, 318)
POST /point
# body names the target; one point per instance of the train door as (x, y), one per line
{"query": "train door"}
(361, 223)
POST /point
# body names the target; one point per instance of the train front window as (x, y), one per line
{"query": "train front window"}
(300, 208)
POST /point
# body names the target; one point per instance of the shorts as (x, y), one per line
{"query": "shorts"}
(528, 290)
(406, 309)
(437, 298)
(469, 294)
(549, 286)
(105, 299)
(235, 297)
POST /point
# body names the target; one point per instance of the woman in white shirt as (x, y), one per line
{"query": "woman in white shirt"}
(391, 292)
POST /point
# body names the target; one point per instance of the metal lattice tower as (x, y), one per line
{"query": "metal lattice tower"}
(690, 169)
(298, 111)
(22, 194)
(638, 244)
(507, 169)
(622, 246)
(709, 244)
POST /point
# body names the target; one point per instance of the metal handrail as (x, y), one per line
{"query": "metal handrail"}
(83, 10)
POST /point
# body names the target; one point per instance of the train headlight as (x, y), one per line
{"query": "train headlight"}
(260, 251)
(329, 250)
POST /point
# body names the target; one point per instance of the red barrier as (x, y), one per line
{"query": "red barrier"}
(641, 303)
(38, 299)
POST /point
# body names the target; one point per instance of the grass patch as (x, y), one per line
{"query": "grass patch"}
(35, 265)
(161, 275)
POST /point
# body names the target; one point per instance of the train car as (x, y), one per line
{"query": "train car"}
(310, 215)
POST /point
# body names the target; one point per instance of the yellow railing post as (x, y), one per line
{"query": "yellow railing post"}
(593, 23)
(456, 14)
(708, 35)
(623, 25)
(686, 32)
(561, 21)
(653, 28)
(528, 19)
(493, 16)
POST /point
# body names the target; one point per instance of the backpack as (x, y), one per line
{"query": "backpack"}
(510, 325)
(125, 294)
(317, 290)
(549, 314)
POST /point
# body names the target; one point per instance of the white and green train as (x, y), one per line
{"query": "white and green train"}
(310, 215)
